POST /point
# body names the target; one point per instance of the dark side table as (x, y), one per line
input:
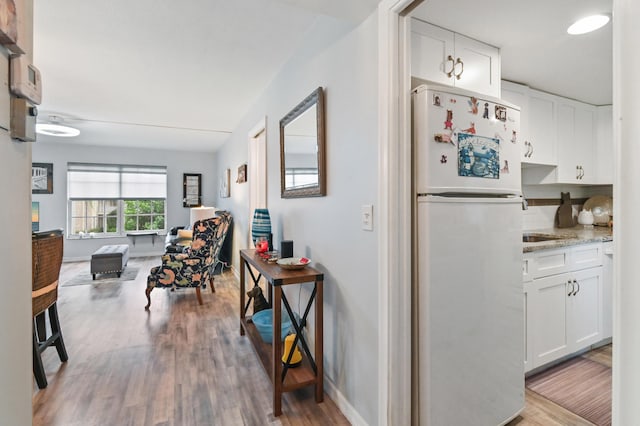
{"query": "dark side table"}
(284, 379)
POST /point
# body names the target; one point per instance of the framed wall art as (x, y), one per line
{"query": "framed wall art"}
(42, 178)
(224, 184)
(191, 189)
(242, 174)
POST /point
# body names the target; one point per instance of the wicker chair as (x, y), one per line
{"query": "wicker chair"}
(46, 259)
(194, 267)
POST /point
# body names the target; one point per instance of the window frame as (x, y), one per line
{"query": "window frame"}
(122, 170)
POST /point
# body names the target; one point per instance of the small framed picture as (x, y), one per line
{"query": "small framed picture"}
(242, 174)
(501, 113)
(42, 178)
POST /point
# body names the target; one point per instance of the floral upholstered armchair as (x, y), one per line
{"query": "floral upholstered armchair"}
(195, 266)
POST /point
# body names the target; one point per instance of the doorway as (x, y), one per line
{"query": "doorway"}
(257, 170)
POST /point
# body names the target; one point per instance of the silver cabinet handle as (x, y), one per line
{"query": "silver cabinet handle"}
(578, 290)
(577, 172)
(453, 66)
(569, 283)
(529, 151)
(581, 172)
(458, 61)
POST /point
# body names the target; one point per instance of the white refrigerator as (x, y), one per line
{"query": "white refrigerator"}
(470, 302)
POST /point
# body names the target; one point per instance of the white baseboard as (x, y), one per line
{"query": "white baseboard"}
(341, 402)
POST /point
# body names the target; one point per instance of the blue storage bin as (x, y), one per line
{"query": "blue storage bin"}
(263, 321)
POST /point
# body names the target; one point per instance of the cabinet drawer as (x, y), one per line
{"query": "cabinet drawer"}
(527, 265)
(550, 262)
(586, 256)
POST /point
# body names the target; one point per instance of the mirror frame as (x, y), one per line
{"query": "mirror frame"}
(315, 98)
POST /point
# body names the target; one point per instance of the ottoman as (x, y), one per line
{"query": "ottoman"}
(108, 259)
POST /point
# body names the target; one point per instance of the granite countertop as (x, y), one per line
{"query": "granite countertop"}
(568, 237)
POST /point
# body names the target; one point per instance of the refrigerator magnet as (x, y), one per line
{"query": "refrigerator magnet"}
(448, 123)
(505, 169)
(485, 113)
(443, 159)
(442, 138)
(436, 99)
(478, 156)
(473, 105)
(471, 129)
(501, 113)
(514, 137)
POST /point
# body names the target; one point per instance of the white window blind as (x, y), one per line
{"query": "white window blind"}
(114, 181)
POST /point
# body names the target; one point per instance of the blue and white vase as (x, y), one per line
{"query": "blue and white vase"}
(261, 225)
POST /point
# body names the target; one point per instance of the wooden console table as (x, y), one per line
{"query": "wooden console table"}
(284, 379)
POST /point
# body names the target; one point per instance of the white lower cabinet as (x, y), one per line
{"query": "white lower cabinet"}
(564, 310)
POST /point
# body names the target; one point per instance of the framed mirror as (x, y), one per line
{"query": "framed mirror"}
(302, 149)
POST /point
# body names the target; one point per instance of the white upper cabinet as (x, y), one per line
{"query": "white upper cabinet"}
(537, 123)
(445, 57)
(542, 128)
(576, 142)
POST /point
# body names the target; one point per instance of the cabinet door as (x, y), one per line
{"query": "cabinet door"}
(585, 309)
(430, 47)
(517, 94)
(576, 142)
(542, 128)
(604, 145)
(548, 308)
(480, 67)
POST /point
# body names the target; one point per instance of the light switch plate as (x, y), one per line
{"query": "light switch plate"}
(367, 217)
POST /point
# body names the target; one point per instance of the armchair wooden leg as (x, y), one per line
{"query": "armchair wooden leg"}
(147, 292)
(38, 368)
(199, 295)
(213, 288)
(55, 331)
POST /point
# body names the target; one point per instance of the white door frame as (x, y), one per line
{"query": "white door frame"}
(257, 170)
(395, 198)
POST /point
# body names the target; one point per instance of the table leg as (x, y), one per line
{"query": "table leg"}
(277, 352)
(242, 294)
(319, 342)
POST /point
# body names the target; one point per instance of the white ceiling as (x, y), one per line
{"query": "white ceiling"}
(150, 74)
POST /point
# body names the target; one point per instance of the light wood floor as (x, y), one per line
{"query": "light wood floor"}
(180, 363)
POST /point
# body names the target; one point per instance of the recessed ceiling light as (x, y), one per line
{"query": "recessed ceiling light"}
(56, 130)
(588, 24)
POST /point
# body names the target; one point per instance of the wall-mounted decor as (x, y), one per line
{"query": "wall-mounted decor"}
(302, 156)
(35, 216)
(41, 178)
(242, 174)
(224, 184)
(191, 189)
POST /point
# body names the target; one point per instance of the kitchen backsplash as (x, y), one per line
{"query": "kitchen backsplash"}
(543, 216)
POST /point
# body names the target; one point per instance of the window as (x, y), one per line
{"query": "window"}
(109, 199)
(301, 177)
